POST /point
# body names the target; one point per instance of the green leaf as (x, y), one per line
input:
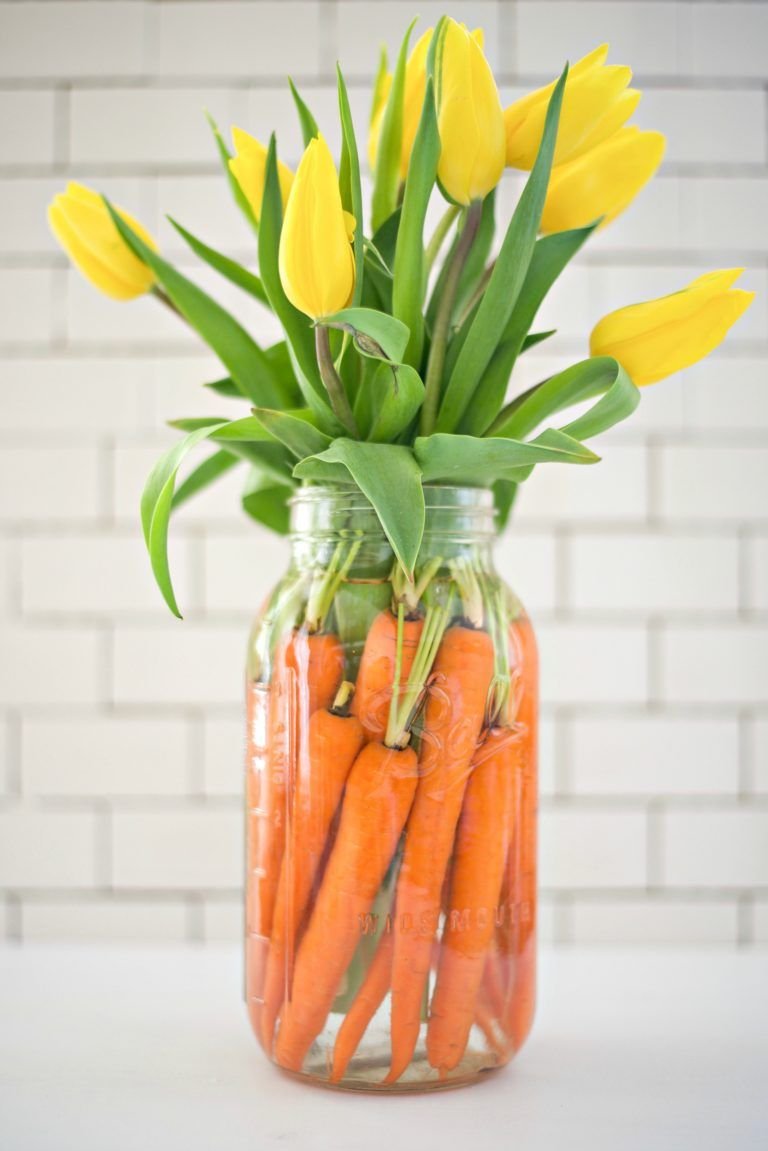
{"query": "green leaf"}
(385, 238)
(225, 156)
(309, 128)
(550, 256)
(388, 402)
(226, 387)
(192, 423)
(389, 476)
(504, 496)
(381, 250)
(534, 338)
(296, 326)
(409, 270)
(374, 333)
(294, 431)
(598, 376)
(507, 279)
(471, 460)
(387, 175)
(267, 502)
(226, 267)
(204, 474)
(156, 504)
(157, 499)
(378, 84)
(248, 365)
(349, 180)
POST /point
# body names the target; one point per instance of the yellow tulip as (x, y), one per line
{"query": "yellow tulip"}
(80, 221)
(413, 99)
(596, 102)
(317, 265)
(249, 166)
(654, 339)
(601, 182)
(470, 118)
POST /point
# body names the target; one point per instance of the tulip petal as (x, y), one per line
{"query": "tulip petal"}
(93, 270)
(615, 117)
(676, 307)
(593, 89)
(82, 225)
(317, 267)
(470, 119)
(602, 182)
(249, 166)
(654, 339)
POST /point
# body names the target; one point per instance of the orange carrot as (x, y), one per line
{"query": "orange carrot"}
(317, 658)
(333, 742)
(366, 1003)
(453, 718)
(479, 854)
(379, 793)
(315, 661)
(521, 941)
(376, 676)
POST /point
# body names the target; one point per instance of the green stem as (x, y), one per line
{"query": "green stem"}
(410, 592)
(498, 696)
(469, 590)
(326, 584)
(443, 318)
(476, 296)
(343, 698)
(166, 300)
(402, 716)
(333, 382)
(439, 236)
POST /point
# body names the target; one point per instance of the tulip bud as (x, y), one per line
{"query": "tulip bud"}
(317, 265)
(601, 182)
(80, 221)
(413, 99)
(470, 118)
(249, 167)
(596, 102)
(657, 338)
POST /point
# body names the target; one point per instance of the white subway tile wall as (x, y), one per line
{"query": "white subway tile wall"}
(647, 576)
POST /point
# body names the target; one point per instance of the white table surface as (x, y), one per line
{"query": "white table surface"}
(112, 1048)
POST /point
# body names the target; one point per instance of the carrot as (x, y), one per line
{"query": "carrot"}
(379, 793)
(480, 851)
(366, 1003)
(317, 661)
(317, 658)
(376, 676)
(303, 662)
(453, 718)
(519, 937)
(333, 742)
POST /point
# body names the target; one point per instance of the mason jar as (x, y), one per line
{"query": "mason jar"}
(391, 797)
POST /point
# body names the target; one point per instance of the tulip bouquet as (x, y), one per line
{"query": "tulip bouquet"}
(391, 686)
(400, 347)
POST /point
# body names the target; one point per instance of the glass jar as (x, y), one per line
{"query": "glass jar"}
(391, 802)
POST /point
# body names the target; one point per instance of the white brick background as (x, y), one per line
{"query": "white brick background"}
(120, 735)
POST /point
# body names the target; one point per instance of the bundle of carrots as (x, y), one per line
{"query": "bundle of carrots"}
(345, 794)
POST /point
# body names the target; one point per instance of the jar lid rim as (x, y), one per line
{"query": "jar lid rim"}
(477, 496)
